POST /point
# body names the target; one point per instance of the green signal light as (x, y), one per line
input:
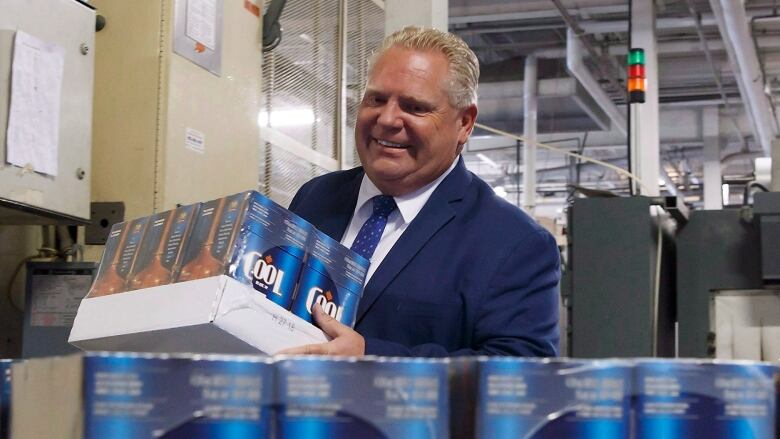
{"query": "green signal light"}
(636, 56)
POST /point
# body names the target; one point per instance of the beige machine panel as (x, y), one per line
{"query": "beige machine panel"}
(148, 99)
(223, 110)
(127, 85)
(66, 196)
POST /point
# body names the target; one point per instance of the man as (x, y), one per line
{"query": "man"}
(455, 270)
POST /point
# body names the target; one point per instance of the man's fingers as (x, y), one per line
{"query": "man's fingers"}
(309, 349)
(330, 326)
(345, 340)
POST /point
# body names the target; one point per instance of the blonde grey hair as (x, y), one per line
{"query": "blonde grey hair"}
(463, 63)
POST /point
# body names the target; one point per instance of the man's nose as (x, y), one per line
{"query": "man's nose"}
(390, 116)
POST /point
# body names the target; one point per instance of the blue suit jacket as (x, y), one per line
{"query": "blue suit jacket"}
(471, 275)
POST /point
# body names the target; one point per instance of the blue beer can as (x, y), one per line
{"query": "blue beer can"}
(270, 269)
(317, 287)
(333, 277)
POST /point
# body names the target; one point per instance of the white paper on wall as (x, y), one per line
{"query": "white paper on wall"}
(202, 22)
(34, 115)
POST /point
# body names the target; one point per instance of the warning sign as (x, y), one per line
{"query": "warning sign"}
(55, 299)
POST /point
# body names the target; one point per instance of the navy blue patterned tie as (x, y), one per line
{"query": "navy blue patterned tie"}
(371, 231)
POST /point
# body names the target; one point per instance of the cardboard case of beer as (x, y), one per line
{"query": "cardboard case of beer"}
(695, 399)
(214, 277)
(367, 398)
(129, 396)
(494, 397)
(5, 397)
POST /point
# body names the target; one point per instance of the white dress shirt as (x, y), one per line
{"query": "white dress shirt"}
(409, 206)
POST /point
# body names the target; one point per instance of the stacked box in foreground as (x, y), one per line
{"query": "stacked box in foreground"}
(702, 399)
(362, 398)
(143, 396)
(5, 397)
(515, 397)
(131, 395)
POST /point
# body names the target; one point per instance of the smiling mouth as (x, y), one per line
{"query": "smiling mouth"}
(390, 144)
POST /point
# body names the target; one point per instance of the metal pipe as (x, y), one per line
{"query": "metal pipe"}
(729, 158)
(529, 132)
(664, 47)
(458, 24)
(732, 22)
(564, 169)
(587, 26)
(718, 83)
(532, 12)
(577, 68)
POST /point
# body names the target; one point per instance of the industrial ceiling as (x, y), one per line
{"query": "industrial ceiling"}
(695, 72)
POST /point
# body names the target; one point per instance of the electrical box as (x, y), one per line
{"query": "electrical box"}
(54, 292)
(61, 195)
(766, 206)
(623, 299)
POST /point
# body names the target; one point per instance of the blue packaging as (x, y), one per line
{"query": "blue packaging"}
(362, 398)
(208, 245)
(250, 238)
(777, 401)
(122, 245)
(5, 398)
(270, 250)
(704, 399)
(161, 246)
(333, 277)
(551, 399)
(138, 396)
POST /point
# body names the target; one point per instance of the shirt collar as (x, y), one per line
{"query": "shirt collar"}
(409, 205)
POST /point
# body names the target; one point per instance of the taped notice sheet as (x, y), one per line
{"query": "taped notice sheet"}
(202, 22)
(34, 114)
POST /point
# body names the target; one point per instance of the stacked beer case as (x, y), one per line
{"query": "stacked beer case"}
(541, 399)
(246, 236)
(5, 397)
(129, 396)
(280, 258)
(705, 399)
(370, 398)
(178, 396)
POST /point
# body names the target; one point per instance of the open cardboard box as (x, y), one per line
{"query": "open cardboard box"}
(210, 315)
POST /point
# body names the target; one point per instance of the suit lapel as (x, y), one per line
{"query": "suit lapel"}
(437, 212)
(335, 223)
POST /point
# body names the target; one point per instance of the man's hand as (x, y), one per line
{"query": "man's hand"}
(345, 341)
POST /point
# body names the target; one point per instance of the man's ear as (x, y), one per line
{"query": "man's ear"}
(468, 116)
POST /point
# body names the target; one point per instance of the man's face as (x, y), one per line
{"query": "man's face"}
(407, 133)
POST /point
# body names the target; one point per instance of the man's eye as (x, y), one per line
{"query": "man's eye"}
(373, 100)
(416, 108)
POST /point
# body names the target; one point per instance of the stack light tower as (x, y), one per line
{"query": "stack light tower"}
(636, 84)
(637, 81)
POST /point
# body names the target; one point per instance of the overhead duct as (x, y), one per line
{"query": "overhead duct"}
(563, 105)
(577, 68)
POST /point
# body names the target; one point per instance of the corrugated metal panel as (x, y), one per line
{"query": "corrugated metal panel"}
(365, 31)
(300, 92)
